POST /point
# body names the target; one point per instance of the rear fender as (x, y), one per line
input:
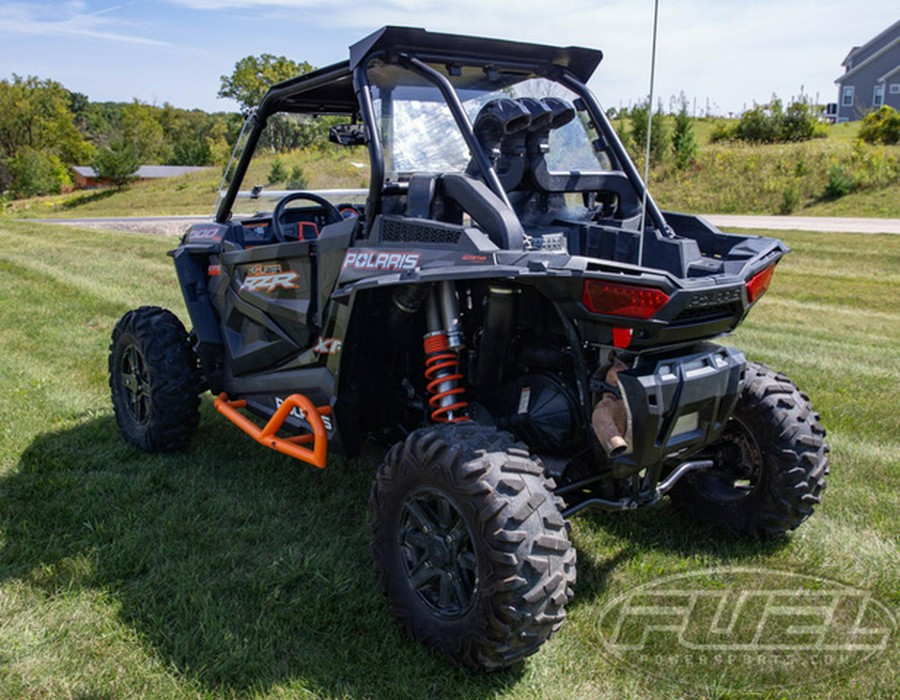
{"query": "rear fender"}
(192, 269)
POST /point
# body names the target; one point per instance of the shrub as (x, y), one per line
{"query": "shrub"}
(722, 131)
(6, 177)
(801, 123)
(191, 151)
(760, 124)
(790, 199)
(873, 167)
(278, 172)
(34, 173)
(659, 132)
(770, 123)
(881, 126)
(297, 179)
(621, 127)
(684, 143)
(840, 181)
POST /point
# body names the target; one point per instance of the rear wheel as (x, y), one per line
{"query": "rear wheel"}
(154, 380)
(770, 463)
(470, 546)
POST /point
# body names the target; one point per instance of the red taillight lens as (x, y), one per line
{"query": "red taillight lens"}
(759, 283)
(628, 300)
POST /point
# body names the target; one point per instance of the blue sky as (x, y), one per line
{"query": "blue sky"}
(730, 52)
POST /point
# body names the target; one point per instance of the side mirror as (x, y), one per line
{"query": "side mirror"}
(348, 134)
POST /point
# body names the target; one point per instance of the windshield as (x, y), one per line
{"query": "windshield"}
(419, 134)
(294, 154)
(239, 146)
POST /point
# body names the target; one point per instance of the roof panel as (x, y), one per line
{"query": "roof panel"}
(330, 89)
(433, 46)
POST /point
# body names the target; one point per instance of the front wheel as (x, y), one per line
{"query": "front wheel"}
(154, 380)
(470, 546)
(769, 465)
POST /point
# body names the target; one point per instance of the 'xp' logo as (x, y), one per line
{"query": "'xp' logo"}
(327, 346)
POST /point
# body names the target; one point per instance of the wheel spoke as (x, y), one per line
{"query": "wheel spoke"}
(462, 593)
(465, 565)
(444, 514)
(423, 575)
(415, 539)
(426, 521)
(416, 567)
(459, 533)
(736, 472)
(446, 590)
(136, 385)
(129, 381)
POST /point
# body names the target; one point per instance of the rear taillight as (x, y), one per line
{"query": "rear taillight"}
(631, 301)
(759, 283)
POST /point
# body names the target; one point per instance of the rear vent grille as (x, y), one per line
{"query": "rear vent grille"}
(405, 231)
(708, 312)
(548, 243)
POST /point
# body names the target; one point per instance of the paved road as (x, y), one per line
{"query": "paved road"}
(825, 224)
(175, 225)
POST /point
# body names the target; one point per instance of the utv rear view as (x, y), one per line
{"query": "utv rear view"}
(505, 305)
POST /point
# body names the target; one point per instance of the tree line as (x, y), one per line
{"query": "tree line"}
(45, 129)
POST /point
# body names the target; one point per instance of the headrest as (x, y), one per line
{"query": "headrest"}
(561, 110)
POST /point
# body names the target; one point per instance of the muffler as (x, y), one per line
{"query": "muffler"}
(610, 416)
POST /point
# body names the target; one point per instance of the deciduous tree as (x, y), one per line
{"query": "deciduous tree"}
(36, 114)
(254, 75)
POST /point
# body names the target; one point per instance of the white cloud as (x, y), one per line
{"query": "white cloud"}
(71, 20)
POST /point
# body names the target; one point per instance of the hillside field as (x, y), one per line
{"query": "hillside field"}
(729, 178)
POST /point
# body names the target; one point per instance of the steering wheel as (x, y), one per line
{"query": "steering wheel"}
(332, 215)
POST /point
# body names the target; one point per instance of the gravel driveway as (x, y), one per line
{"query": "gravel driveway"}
(161, 225)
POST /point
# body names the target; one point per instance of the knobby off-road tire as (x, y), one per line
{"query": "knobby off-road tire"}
(771, 462)
(470, 546)
(154, 380)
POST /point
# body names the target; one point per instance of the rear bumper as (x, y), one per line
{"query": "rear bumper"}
(677, 403)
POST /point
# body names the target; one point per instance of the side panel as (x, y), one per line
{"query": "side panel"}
(267, 304)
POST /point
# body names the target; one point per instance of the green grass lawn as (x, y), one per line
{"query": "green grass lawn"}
(233, 571)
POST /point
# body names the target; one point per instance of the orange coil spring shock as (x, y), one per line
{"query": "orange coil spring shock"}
(442, 375)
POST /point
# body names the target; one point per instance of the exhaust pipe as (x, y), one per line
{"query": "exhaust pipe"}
(610, 417)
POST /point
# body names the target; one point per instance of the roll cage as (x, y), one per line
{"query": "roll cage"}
(452, 64)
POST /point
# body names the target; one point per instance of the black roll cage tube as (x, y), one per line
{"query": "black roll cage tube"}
(376, 154)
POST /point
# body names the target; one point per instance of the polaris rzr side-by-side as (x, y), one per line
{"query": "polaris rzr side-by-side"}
(505, 305)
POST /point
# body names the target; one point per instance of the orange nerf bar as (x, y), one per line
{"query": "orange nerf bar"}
(267, 435)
